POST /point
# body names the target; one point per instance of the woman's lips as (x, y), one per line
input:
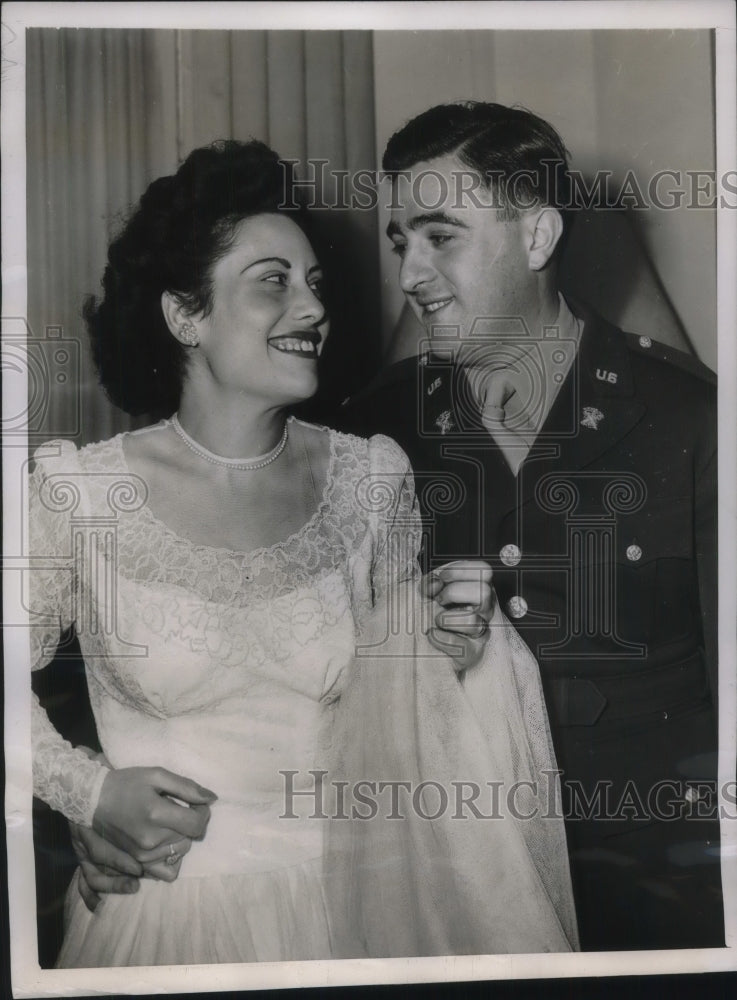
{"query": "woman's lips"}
(300, 345)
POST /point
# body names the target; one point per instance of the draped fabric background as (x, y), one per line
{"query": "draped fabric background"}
(110, 110)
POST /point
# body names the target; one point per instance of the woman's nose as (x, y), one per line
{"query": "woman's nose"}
(309, 306)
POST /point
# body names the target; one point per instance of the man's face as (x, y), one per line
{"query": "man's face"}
(460, 264)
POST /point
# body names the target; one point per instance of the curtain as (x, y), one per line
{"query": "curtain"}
(108, 111)
(86, 160)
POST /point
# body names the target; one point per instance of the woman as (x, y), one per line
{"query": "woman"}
(225, 564)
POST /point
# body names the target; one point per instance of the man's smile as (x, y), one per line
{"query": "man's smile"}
(430, 306)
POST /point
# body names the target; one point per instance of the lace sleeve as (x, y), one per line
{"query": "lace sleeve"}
(396, 523)
(64, 777)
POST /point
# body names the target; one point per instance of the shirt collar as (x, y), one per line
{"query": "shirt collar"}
(569, 326)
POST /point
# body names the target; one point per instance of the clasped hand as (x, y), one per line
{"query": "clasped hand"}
(464, 600)
(144, 824)
(147, 817)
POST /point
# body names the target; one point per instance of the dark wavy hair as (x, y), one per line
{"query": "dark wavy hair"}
(182, 226)
(501, 144)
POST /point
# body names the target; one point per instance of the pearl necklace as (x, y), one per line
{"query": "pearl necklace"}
(244, 464)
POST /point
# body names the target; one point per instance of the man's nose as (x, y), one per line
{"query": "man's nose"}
(415, 270)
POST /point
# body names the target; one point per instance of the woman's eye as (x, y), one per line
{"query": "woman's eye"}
(317, 290)
(278, 278)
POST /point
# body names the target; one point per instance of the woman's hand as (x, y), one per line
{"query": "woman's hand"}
(105, 868)
(464, 597)
(137, 811)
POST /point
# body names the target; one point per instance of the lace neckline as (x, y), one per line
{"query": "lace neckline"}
(322, 507)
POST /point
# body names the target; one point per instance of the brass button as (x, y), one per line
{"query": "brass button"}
(517, 607)
(510, 555)
(634, 552)
(646, 342)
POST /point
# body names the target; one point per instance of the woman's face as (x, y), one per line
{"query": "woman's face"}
(267, 325)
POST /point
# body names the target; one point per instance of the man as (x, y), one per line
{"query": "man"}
(580, 462)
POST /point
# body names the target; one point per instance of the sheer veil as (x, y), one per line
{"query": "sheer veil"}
(462, 849)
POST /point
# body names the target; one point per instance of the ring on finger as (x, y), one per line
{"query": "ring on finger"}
(173, 856)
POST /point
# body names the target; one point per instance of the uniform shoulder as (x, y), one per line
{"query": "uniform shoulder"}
(680, 361)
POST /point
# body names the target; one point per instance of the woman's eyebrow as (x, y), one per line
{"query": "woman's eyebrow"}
(268, 260)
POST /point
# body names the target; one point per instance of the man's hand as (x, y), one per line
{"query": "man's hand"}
(464, 598)
(105, 868)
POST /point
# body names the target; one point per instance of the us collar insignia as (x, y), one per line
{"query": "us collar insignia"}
(445, 422)
(591, 418)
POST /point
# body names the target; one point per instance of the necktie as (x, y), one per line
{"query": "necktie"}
(504, 399)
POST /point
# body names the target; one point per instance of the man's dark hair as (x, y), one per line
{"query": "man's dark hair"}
(182, 226)
(519, 155)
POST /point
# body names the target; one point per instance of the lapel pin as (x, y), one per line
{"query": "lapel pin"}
(591, 418)
(444, 422)
(645, 342)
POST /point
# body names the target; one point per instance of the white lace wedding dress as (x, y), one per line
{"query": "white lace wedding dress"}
(228, 668)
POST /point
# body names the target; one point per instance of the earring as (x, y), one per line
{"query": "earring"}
(188, 334)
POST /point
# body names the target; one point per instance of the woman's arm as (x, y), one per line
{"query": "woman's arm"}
(134, 808)
(66, 778)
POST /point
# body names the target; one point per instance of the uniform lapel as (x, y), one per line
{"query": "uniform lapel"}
(595, 408)
(455, 440)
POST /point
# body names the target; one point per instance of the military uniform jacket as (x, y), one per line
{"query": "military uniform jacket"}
(604, 545)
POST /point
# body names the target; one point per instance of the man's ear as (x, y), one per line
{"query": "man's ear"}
(545, 229)
(177, 318)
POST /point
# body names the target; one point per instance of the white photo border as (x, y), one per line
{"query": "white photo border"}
(29, 980)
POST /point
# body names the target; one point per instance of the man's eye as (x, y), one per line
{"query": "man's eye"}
(438, 239)
(277, 277)
(399, 248)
